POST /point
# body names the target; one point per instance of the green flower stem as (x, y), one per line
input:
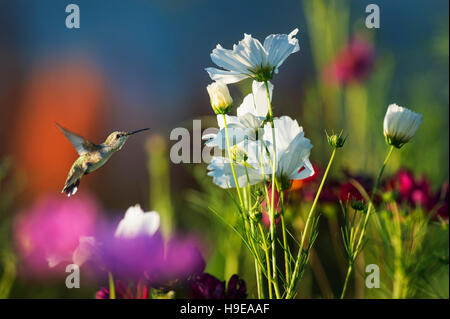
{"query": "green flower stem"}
(258, 271)
(399, 275)
(248, 201)
(112, 288)
(287, 263)
(290, 289)
(366, 220)
(347, 277)
(272, 203)
(266, 250)
(231, 161)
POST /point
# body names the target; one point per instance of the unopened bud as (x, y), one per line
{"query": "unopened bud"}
(358, 205)
(336, 140)
(255, 216)
(220, 97)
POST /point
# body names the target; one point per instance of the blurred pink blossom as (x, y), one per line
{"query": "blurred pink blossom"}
(49, 232)
(277, 207)
(352, 64)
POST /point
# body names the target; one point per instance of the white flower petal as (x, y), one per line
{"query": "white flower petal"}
(136, 223)
(400, 124)
(280, 46)
(226, 77)
(285, 131)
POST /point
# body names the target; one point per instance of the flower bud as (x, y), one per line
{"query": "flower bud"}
(389, 197)
(220, 97)
(400, 125)
(358, 205)
(336, 140)
(256, 216)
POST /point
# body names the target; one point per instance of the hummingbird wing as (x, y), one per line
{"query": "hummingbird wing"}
(81, 144)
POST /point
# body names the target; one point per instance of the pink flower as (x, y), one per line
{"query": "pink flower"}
(277, 206)
(417, 192)
(353, 63)
(49, 232)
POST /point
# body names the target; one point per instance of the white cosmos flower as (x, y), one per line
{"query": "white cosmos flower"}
(251, 59)
(136, 223)
(292, 152)
(292, 149)
(250, 162)
(250, 117)
(400, 125)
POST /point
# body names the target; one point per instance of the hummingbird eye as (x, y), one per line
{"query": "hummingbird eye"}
(118, 136)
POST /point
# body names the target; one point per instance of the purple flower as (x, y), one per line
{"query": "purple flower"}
(182, 260)
(206, 286)
(135, 250)
(49, 232)
(236, 288)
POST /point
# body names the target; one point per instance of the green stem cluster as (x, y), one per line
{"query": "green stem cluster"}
(262, 246)
(362, 234)
(290, 290)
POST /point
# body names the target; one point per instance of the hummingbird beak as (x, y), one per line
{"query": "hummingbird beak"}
(137, 131)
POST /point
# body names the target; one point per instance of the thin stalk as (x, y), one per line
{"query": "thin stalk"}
(272, 203)
(231, 161)
(366, 220)
(290, 290)
(258, 271)
(287, 264)
(112, 287)
(266, 250)
(248, 201)
(398, 251)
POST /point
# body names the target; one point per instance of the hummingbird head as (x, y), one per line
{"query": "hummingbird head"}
(116, 139)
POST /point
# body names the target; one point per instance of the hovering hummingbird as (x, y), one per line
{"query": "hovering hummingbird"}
(92, 156)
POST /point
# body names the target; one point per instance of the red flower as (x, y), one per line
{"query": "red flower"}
(139, 291)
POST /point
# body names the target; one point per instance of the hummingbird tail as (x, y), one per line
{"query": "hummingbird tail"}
(71, 189)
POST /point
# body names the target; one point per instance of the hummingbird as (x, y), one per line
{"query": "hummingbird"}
(91, 156)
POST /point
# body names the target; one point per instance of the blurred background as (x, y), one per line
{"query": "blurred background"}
(139, 63)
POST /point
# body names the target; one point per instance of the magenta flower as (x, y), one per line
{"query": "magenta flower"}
(49, 232)
(277, 207)
(416, 192)
(352, 64)
(442, 198)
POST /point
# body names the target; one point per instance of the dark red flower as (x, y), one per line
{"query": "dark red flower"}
(236, 288)
(206, 286)
(136, 291)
